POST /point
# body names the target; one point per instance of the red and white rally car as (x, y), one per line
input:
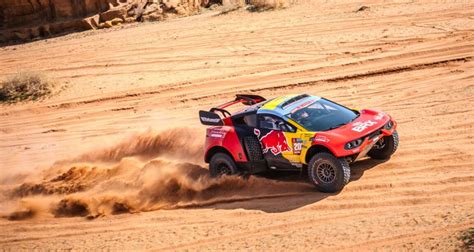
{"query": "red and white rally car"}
(293, 132)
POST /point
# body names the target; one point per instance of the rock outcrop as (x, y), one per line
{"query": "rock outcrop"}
(23, 20)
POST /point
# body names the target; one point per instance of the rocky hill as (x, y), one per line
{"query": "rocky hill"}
(24, 20)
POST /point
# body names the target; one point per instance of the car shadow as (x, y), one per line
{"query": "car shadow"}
(358, 168)
(306, 193)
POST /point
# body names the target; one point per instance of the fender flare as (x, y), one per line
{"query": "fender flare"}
(316, 148)
(214, 150)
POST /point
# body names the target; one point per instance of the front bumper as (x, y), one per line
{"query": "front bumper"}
(368, 146)
(370, 140)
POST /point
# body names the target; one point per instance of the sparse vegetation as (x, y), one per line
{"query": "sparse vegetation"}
(467, 237)
(261, 5)
(25, 86)
(362, 8)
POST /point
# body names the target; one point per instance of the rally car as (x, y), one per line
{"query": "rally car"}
(295, 132)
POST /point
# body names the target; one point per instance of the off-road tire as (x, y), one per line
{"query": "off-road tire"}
(391, 145)
(253, 148)
(218, 162)
(340, 167)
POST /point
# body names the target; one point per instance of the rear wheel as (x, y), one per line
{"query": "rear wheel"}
(222, 164)
(385, 147)
(328, 173)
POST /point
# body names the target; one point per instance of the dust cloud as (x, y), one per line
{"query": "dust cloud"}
(146, 172)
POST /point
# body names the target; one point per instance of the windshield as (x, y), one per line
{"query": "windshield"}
(322, 115)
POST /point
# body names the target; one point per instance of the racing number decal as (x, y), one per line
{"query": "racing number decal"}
(297, 145)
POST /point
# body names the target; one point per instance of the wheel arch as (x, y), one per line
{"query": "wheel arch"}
(313, 150)
(214, 150)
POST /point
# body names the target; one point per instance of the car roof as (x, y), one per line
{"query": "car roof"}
(283, 105)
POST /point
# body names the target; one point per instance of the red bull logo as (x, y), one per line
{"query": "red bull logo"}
(274, 141)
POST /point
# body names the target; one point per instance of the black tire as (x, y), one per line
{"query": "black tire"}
(222, 164)
(385, 147)
(328, 173)
(253, 148)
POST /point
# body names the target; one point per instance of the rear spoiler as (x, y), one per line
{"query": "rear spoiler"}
(249, 99)
(213, 119)
(210, 118)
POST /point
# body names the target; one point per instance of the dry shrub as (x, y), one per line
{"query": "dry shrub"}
(467, 238)
(25, 86)
(231, 4)
(269, 4)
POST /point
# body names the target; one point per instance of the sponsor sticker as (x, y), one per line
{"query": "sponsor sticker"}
(319, 138)
(274, 141)
(297, 164)
(361, 126)
(212, 120)
(217, 133)
(303, 105)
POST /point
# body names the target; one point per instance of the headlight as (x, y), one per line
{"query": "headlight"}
(353, 144)
(388, 126)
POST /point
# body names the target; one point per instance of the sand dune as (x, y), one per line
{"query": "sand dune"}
(107, 164)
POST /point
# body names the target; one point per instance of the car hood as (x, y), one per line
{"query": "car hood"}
(367, 122)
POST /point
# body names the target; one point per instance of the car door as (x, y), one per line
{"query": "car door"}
(273, 134)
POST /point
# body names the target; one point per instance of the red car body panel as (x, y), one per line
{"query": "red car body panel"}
(335, 139)
(224, 137)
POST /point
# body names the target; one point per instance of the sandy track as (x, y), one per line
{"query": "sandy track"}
(413, 60)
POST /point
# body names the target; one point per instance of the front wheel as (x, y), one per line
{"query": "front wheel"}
(328, 173)
(222, 164)
(385, 147)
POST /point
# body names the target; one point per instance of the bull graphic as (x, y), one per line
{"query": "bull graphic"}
(275, 141)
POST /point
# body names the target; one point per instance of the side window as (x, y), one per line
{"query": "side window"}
(275, 123)
(239, 121)
(248, 120)
(290, 128)
(251, 120)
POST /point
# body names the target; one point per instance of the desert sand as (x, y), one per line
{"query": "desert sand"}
(114, 160)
